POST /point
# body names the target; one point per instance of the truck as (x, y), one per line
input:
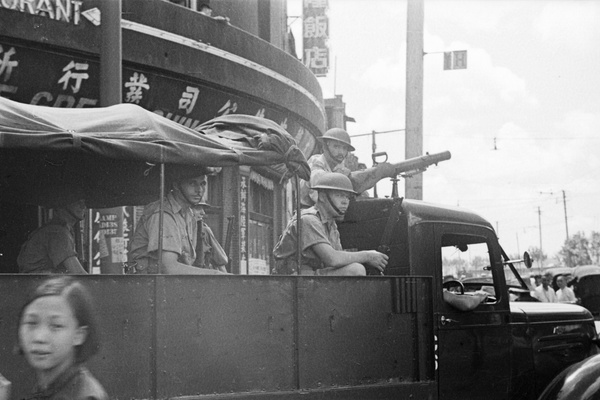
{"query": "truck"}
(307, 337)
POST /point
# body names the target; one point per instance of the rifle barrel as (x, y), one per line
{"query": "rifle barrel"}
(421, 162)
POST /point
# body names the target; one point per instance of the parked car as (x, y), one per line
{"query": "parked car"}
(577, 382)
(586, 283)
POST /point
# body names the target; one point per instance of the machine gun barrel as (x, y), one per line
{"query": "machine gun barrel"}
(419, 164)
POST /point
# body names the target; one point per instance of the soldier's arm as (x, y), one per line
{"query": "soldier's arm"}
(337, 259)
(73, 266)
(171, 266)
(367, 178)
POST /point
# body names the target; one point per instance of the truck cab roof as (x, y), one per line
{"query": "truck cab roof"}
(423, 211)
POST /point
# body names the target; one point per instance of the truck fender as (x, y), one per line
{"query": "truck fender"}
(580, 381)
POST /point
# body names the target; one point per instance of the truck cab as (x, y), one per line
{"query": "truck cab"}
(504, 345)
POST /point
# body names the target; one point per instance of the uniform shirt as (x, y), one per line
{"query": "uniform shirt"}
(566, 295)
(76, 383)
(545, 296)
(315, 229)
(318, 162)
(179, 232)
(46, 249)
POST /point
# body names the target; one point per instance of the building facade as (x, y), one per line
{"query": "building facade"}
(185, 66)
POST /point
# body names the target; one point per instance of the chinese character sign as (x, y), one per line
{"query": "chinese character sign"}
(315, 32)
(455, 60)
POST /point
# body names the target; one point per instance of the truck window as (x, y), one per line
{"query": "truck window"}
(466, 259)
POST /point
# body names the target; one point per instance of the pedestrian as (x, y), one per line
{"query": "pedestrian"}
(565, 294)
(180, 230)
(544, 292)
(57, 334)
(322, 252)
(336, 146)
(50, 249)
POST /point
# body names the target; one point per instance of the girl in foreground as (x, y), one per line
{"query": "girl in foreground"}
(57, 334)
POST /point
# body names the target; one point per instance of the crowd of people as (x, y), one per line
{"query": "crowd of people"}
(545, 293)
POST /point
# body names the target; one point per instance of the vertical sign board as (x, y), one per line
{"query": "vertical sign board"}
(455, 60)
(243, 225)
(315, 32)
(111, 230)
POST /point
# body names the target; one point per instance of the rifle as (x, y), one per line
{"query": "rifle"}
(415, 165)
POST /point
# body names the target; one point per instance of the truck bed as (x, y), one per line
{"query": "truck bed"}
(248, 336)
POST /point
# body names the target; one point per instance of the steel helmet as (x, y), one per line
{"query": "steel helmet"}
(333, 181)
(338, 135)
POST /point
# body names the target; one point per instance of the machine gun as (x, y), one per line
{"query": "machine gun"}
(412, 166)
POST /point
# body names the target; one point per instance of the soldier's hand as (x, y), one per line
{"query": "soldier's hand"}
(386, 170)
(376, 259)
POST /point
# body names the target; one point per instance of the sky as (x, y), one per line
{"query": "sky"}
(522, 121)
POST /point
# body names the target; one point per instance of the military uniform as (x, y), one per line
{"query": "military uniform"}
(47, 248)
(318, 162)
(315, 230)
(179, 234)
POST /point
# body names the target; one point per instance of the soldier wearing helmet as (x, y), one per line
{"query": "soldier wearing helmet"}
(322, 252)
(336, 146)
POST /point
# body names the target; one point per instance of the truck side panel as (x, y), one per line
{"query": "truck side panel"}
(358, 332)
(266, 337)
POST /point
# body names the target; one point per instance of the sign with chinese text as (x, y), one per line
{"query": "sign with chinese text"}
(315, 32)
(50, 79)
(455, 59)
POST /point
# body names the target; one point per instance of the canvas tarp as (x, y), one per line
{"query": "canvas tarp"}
(114, 153)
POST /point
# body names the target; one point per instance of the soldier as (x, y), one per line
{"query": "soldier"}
(51, 248)
(180, 229)
(322, 252)
(336, 146)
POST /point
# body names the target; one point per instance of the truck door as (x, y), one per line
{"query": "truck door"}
(473, 347)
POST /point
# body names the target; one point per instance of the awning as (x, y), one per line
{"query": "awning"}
(113, 153)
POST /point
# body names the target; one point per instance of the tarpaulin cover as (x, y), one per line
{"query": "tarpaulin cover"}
(114, 153)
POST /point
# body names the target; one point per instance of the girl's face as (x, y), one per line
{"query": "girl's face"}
(48, 334)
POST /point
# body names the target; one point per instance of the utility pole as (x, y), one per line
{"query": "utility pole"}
(565, 207)
(373, 151)
(414, 94)
(540, 226)
(567, 228)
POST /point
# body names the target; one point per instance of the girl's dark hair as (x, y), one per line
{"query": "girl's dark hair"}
(80, 301)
